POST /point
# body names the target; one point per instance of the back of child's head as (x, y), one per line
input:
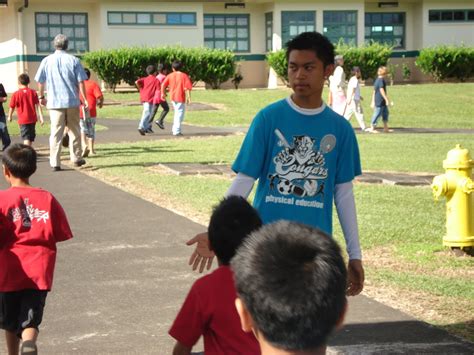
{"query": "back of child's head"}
(292, 280)
(88, 73)
(161, 67)
(382, 70)
(151, 69)
(20, 160)
(177, 65)
(232, 220)
(24, 79)
(313, 41)
(355, 70)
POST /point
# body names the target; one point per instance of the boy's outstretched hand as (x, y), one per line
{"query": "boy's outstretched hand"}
(355, 277)
(202, 255)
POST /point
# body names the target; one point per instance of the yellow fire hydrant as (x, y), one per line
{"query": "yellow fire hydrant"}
(458, 187)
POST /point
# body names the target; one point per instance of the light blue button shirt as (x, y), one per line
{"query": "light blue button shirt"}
(62, 73)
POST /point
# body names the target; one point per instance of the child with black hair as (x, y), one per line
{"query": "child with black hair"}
(180, 87)
(147, 87)
(28, 108)
(158, 100)
(291, 284)
(209, 309)
(36, 222)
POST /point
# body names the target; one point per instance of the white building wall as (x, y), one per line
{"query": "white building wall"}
(447, 33)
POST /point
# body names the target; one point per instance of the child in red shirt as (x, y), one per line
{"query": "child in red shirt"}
(94, 99)
(209, 309)
(157, 100)
(27, 104)
(35, 222)
(147, 86)
(180, 87)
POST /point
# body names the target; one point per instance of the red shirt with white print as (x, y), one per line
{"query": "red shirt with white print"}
(28, 254)
(25, 101)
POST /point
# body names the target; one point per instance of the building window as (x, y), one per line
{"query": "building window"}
(269, 31)
(227, 32)
(339, 25)
(73, 25)
(151, 18)
(295, 22)
(451, 16)
(388, 28)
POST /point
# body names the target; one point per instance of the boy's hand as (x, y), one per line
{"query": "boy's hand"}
(202, 255)
(9, 118)
(372, 105)
(41, 120)
(355, 277)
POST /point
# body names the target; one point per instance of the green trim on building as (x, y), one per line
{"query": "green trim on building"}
(250, 57)
(406, 54)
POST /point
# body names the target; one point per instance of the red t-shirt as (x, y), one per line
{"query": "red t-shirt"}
(147, 87)
(28, 254)
(25, 101)
(93, 93)
(177, 82)
(209, 310)
(157, 98)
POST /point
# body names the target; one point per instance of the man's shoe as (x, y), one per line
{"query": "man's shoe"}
(80, 162)
(28, 347)
(85, 153)
(56, 168)
(141, 131)
(149, 130)
(160, 124)
(178, 134)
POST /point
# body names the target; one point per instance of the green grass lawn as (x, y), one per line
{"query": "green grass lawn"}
(427, 105)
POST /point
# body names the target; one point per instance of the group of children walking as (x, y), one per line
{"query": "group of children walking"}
(28, 110)
(348, 103)
(153, 89)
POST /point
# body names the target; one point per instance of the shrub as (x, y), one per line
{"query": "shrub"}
(213, 66)
(368, 57)
(445, 62)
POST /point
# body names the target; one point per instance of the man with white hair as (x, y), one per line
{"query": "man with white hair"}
(64, 77)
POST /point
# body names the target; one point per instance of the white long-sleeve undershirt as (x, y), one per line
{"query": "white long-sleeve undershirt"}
(345, 205)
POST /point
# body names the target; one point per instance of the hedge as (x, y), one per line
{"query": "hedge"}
(213, 66)
(368, 57)
(447, 62)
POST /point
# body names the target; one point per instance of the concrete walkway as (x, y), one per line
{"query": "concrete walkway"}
(121, 280)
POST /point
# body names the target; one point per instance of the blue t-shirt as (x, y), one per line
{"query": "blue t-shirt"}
(379, 83)
(298, 158)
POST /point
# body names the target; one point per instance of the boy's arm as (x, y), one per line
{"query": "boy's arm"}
(82, 89)
(384, 95)
(10, 114)
(372, 102)
(40, 113)
(181, 349)
(100, 101)
(188, 96)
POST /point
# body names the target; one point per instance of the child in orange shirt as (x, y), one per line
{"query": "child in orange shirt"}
(180, 87)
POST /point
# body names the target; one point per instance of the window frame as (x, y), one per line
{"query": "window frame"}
(440, 13)
(152, 15)
(285, 38)
(61, 26)
(225, 27)
(353, 39)
(381, 25)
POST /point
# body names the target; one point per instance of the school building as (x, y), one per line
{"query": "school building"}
(250, 28)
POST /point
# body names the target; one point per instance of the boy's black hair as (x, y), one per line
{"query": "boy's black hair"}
(161, 67)
(232, 220)
(24, 79)
(292, 279)
(151, 69)
(313, 41)
(355, 70)
(177, 65)
(88, 73)
(20, 160)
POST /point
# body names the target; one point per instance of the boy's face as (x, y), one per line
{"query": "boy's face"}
(306, 74)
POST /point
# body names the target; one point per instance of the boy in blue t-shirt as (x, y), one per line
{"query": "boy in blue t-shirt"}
(380, 101)
(304, 156)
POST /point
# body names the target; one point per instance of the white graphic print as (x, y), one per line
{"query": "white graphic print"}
(300, 169)
(27, 213)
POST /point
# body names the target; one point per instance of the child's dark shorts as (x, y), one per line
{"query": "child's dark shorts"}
(28, 131)
(21, 309)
